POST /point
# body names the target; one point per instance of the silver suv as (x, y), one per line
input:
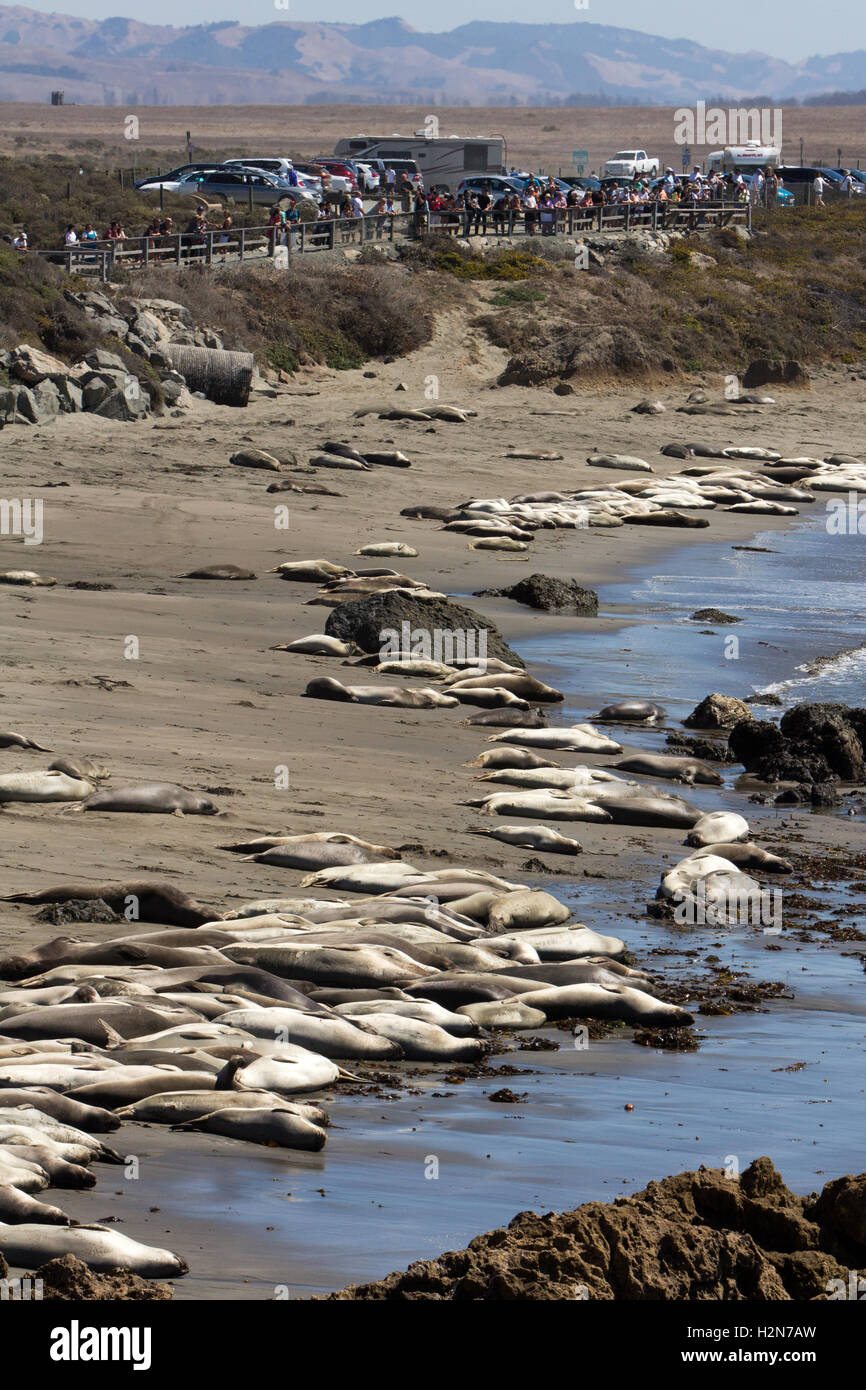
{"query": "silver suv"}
(237, 183)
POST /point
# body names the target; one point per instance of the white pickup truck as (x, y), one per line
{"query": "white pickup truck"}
(628, 164)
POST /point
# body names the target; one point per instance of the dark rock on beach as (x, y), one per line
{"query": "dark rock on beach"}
(820, 743)
(714, 615)
(763, 372)
(364, 620)
(67, 1279)
(718, 712)
(699, 1235)
(551, 595)
(710, 750)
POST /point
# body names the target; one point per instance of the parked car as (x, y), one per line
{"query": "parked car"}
(494, 184)
(280, 168)
(336, 183)
(631, 164)
(585, 182)
(168, 181)
(339, 168)
(237, 183)
(803, 176)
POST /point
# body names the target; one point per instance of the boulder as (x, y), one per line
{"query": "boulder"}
(433, 624)
(47, 401)
(816, 744)
(128, 403)
(714, 615)
(100, 360)
(150, 328)
(763, 372)
(551, 595)
(718, 712)
(841, 1210)
(582, 352)
(31, 365)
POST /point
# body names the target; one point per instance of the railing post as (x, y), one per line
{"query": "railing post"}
(243, 243)
(600, 216)
(146, 250)
(209, 250)
(332, 233)
(655, 215)
(178, 251)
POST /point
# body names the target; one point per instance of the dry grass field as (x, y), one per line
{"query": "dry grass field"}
(538, 137)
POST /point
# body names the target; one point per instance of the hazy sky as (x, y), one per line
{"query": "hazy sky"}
(789, 29)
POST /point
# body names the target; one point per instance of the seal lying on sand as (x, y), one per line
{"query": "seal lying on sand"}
(152, 797)
(149, 900)
(326, 688)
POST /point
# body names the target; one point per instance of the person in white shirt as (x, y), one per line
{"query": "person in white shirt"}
(818, 190)
(358, 205)
(20, 241)
(847, 184)
(71, 236)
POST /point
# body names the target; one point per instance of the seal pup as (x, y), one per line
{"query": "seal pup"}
(509, 718)
(310, 571)
(518, 682)
(505, 1013)
(286, 1072)
(320, 854)
(388, 548)
(27, 577)
(576, 738)
(505, 758)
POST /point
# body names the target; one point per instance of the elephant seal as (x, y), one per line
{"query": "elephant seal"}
(542, 837)
(608, 1002)
(388, 548)
(310, 571)
(506, 1013)
(681, 769)
(110, 1093)
(337, 1038)
(454, 988)
(286, 1072)
(423, 1042)
(17, 1208)
(653, 808)
(9, 739)
(173, 1107)
(601, 971)
(632, 712)
(99, 1247)
(576, 738)
(269, 1125)
(153, 901)
(94, 1023)
(488, 697)
(42, 786)
(509, 718)
(494, 758)
(520, 683)
(81, 769)
(422, 1009)
(219, 572)
(321, 854)
(629, 463)
(718, 827)
(336, 966)
(61, 1172)
(70, 1112)
(164, 798)
(566, 943)
(27, 577)
(326, 688)
(747, 856)
(317, 644)
(518, 911)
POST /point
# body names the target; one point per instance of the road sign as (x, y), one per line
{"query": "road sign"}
(580, 159)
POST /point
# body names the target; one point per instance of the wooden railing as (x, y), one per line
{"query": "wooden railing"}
(216, 247)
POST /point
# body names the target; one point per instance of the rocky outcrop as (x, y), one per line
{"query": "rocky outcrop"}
(718, 712)
(714, 615)
(814, 744)
(698, 1236)
(586, 353)
(764, 372)
(551, 595)
(434, 626)
(66, 1279)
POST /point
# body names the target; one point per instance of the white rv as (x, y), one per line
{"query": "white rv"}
(744, 159)
(443, 160)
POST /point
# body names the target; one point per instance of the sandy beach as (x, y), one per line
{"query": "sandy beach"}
(128, 509)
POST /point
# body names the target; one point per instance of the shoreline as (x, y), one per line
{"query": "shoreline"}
(208, 705)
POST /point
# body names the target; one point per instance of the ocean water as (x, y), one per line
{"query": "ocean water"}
(801, 597)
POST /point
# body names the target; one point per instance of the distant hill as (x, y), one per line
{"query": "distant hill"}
(125, 62)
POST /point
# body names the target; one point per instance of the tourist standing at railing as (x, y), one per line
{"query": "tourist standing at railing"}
(419, 211)
(818, 190)
(483, 203)
(71, 237)
(20, 241)
(275, 227)
(530, 210)
(225, 233)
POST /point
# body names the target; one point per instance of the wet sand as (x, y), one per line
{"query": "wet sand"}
(209, 706)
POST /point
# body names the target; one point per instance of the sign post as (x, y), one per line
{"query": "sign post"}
(580, 159)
